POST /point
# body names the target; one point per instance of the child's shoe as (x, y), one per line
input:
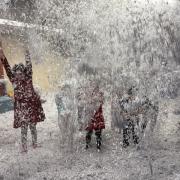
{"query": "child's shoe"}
(36, 146)
(87, 147)
(24, 149)
(98, 146)
(125, 144)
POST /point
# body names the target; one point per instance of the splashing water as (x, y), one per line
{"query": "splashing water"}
(118, 44)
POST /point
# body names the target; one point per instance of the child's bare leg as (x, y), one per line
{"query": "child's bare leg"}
(24, 130)
(32, 127)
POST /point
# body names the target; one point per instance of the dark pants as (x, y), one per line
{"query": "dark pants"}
(98, 137)
(127, 130)
(24, 130)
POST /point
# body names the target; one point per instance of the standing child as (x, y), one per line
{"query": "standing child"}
(130, 110)
(27, 104)
(116, 111)
(80, 99)
(96, 118)
(66, 115)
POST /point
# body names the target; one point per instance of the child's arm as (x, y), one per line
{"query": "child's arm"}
(6, 65)
(28, 63)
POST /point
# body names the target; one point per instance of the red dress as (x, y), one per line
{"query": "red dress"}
(27, 103)
(97, 121)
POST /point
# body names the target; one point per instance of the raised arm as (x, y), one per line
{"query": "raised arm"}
(28, 63)
(6, 65)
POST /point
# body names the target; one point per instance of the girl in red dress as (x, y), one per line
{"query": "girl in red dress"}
(28, 110)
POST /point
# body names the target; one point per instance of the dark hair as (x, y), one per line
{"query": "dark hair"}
(132, 89)
(18, 67)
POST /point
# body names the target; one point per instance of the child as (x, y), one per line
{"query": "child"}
(80, 106)
(130, 110)
(116, 111)
(27, 104)
(66, 115)
(96, 119)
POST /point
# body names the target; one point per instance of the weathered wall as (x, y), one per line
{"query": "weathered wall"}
(45, 73)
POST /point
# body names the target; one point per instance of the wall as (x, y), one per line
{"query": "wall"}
(45, 73)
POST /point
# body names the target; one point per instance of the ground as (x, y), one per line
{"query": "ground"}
(53, 162)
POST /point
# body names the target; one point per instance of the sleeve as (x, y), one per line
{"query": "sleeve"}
(7, 68)
(28, 63)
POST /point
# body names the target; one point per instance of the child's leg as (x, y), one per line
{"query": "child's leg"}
(65, 129)
(70, 131)
(60, 119)
(32, 127)
(24, 130)
(135, 137)
(98, 138)
(88, 138)
(125, 137)
(126, 133)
